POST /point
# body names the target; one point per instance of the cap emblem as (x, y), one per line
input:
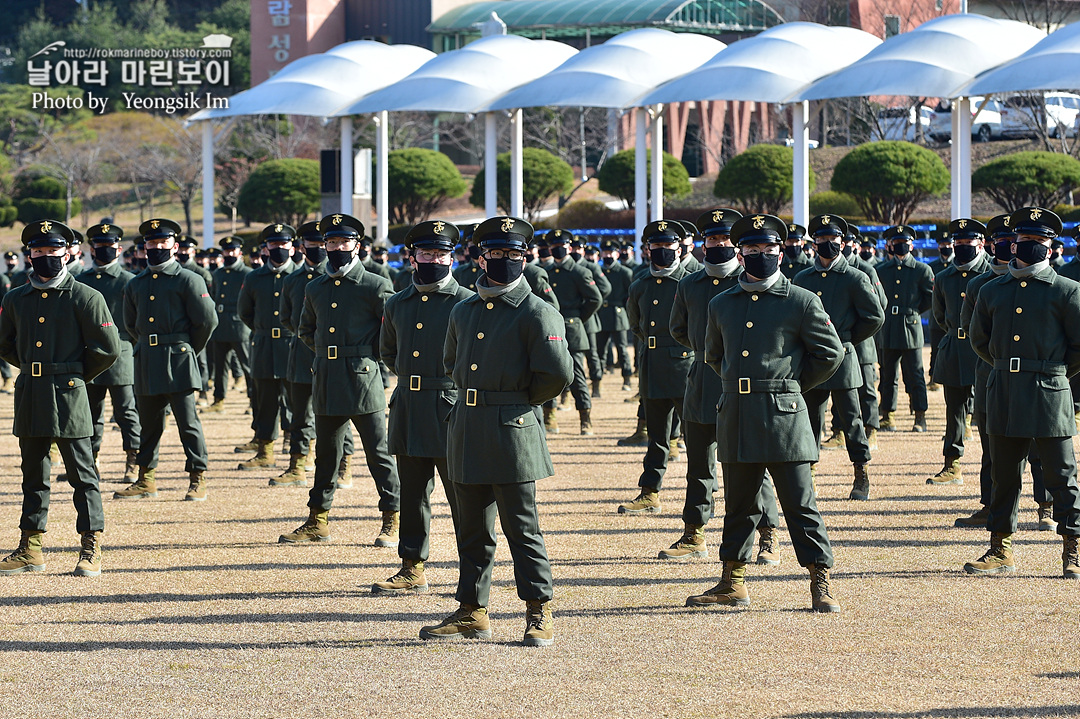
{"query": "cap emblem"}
(105, 229)
(508, 224)
(46, 226)
(1007, 218)
(439, 226)
(1036, 213)
(277, 228)
(824, 219)
(962, 224)
(336, 219)
(661, 225)
(759, 221)
(717, 215)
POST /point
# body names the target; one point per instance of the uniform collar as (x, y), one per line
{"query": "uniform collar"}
(1046, 274)
(355, 274)
(170, 268)
(450, 288)
(113, 269)
(839, 264)
(780, 287)
(514, 297)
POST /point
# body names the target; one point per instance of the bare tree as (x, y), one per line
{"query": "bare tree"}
(180, 163)
(72, 157)
(231, 175)
(1046, 15)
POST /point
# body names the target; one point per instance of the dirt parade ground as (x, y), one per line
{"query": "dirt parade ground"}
(200, 612)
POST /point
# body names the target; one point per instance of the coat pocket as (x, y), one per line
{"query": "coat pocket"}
(445, 404)
(517, 417)
(360, 365)
(1053, 382)
(789, 403)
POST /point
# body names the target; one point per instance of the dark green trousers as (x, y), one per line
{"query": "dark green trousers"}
(957, 400)
(660, 416)
(270, 401)
(743, 510)
(152, 417)
(868, 402)
(79, 466)
(302, 429)
(124, 412)
(516, 505)
(220, 351)
(701, 483)
(579, 387)
(848, 416)
(911, 366)
(330, 434)
(417, 475)
(608, 341)
(1008, 455)
(592, 358)
(986, 480)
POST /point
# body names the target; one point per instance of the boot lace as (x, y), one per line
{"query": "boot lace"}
(821, 581)
(535, 617)
(767, 542)
(1072, 552)
(89, 547)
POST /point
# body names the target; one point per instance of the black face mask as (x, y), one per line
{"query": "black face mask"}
(828, 250)
(139, 263)
(104, 255)
(900, 249)
(608, 261)
(474, 252)
(761, 266)
(719, 255)
(866, 254)
(362, 253)
(662, 256)
(966, 253)
(158, 255)
(945, 252)
(339, 258)
(279, 255)
(684, 250)
(504, 271)
(428, 273)
(315, 254)
(1003, 250)
(575, 256)
(229, 260)
(543, 252)
(47, 265)
(558, 252)
(848, 249)
(182, 257)
(1031, 252)
(792, 251)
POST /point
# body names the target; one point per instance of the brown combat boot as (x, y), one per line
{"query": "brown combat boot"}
(997, 560)
(217, 406)
(768, 546)
(468, 622)
(627, 387)
(196, 487)
(920, 421)
(871, 439)
(388, 533)
(27, 557)
(586, 422)
(596, 388)
(690, 545)
(638, 439)
(888, 422)
(860, 487)
(551, 422)
(564, 400)
(264, 456)
(251, 446)
(949, 474)
(933, 387)
(315, 529)
(294, 476)
(967, 427)
(131, 467)
(344, 472)
(673, 451)
(976, 520)
(142, 488)
(648, 502)
(730, 592)
(539, 625)
(410, 578)
(821, 600)
(1046, 517)
(89, 555)
(836, 441)
(1070, 558)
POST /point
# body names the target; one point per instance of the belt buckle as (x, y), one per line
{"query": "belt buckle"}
(221, 309)
(652, 343)
(414, 382)
(470, 397)
(152, 339)
(1014, 364)
(744, 385)
(275, 333)
(35, 369)
(331, 352)
(895, 310)
(960, 334)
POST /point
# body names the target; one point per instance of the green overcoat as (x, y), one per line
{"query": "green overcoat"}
(909, 288)
(292, 306)
(110, 281)
(612, 312)
(579, 299)
(956, 360)
(259, 307)
(867, 349)
(227, 284)
(665, 364)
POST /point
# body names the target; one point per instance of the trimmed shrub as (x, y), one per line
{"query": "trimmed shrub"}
(890, 178)
(616, 177)
(544, 175)
(831, 202)
(281, 190)
(419, 181)
(759, 179)
(1024, 179)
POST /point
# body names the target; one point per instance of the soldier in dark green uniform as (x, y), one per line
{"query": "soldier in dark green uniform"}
(794, 260)
(468, 272)
(954, 368)
(1071, 269)
(943, 261)
(665, 363)
(856, 313)
(506, 353)
(170, 316)
(259, 307)
(686, 249)
(20, 278)
(11, 263)
(592, 325)
(186, 249)
(340, 323)
(769, 341)
(868, 251)
(369, 263)
(1057, 251)
(109, 278)
(909, 287)
(231, 335)
(1026, 325)
(60, 334)
(415, 322)
(612, 313)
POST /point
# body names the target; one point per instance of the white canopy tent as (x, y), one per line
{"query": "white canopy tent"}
(315, 86)
(1052, 64)
(615, 75)
(772, 67)
(465, 81)
(936, 59)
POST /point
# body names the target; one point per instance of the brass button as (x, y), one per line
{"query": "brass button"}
(98, 275)
(819, 293)
(151, 298)
(275, 313)
(183, 349)
(416, 353)
(824, 273)
(490, 306)
(222, 284)
(44, 295)
(749, 324)
(332, 330)
(41, 319)
(276, 294)
(38, 343)
(337, 282)
(898, 282)
(419, 325)
(794, 405)
(472, 367)
(520, 420)
(333, 305)
(151, 319)
(716, 282)
(1019, 310)
(658, 280)
(745, 353)
(71, 383)
(423, 298)
(479, 335)
(963, 295)
(963, 274)
(1016, 338)
(652, 324)
(753, 297)
(310, 275)
(1023, 284)
(155, 275)
(656, 302)
(896, 296)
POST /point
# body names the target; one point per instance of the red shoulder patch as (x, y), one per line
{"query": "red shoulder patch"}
(205, 294)
(554, 338)
(106, 324)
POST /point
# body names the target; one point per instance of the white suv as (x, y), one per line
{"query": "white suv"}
(985, 124)
(898, 123)
(1023, 114)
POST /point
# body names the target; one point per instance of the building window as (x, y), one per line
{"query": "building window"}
(892, 26)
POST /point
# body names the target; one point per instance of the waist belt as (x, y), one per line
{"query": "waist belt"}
(155, 340)
(1018, 364)
(906, 311)
(37, 369)
(480, 398)
(418, 383)
(336, 351)
(961, 334)
(653, 342)
(746, 385)
(272, 333)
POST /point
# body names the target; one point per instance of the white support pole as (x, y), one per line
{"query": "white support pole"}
(963, 108)
(956, 170)
(346, 166)
(658, 162)
(800, 187)
(382, 200)
(208, 183)
(641, 187)
(491, 150)
(517, 178)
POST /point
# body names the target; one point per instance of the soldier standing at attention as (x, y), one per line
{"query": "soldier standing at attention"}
(60, 334)
(909, 287)
(11, 263)
(415, 323)
(794, 260)
(340, 323)
(169, 314)
(686, 249)
(665, 363)
(369, 263)
(505, 352)
(259, 307)
(592, 325)
(231, 335)
(468, 272)
(185, 252)
(1071, 270)
(109, 278)
(1026, 325)
(612, 313)
(943, 262)
(954, 368)
(19, 278)
(769, 341)
(1057, 250)
(856, 314)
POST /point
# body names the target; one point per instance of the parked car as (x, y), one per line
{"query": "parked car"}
(985, 123)
(790, 142)
(898, 123)
(1022, 115)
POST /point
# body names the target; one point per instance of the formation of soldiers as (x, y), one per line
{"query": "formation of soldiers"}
(738, 357)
